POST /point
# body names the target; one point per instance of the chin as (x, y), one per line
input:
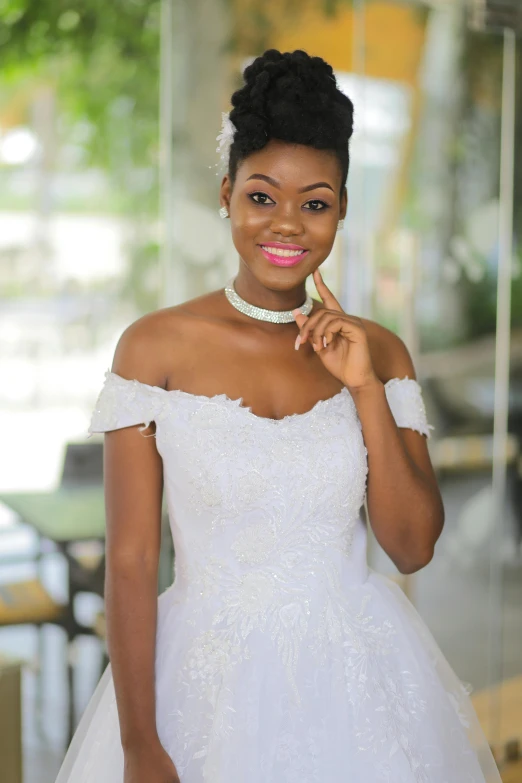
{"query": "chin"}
(284, 279)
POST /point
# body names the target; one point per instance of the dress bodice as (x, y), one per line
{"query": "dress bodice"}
(255, 496)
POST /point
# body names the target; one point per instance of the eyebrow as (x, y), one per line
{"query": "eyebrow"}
(275, 184)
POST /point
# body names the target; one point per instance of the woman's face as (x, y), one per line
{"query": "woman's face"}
(285, 195)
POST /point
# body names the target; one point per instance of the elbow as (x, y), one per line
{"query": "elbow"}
(418, 552)
(413, 563)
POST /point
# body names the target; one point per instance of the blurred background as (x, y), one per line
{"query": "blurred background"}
(109, 114)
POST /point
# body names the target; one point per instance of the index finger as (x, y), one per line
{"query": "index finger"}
(324, 292)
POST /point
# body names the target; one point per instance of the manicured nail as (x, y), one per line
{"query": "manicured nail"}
(324, 341)
(297, 342)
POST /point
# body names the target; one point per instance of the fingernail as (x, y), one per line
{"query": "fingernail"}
(324, 341)
(297, 342)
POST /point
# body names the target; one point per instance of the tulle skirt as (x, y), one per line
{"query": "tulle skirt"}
(380, 703)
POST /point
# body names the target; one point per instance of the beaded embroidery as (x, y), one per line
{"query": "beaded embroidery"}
(265, 519)
(404, 397)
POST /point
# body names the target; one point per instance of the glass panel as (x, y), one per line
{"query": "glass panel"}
(432, 259)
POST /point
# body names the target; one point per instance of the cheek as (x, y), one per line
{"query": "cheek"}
(322, 230)
(241, 227)
(247, 222)
(243, 234)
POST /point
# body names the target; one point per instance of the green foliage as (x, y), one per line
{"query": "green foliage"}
(29, 30)
(480, 303)
(103, 61)
(101, 58)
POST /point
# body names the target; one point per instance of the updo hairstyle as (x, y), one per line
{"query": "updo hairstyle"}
(292, 97)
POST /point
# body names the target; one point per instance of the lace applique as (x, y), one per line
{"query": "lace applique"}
(393, 725)
(123, 403)
(254, 544)
(404, 397)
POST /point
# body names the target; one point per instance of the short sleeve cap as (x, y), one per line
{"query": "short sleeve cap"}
(404, 396)
(124, 403)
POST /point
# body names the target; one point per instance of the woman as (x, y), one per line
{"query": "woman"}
(277, 655)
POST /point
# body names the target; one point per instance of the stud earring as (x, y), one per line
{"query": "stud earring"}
(340, 224)
(223, 212)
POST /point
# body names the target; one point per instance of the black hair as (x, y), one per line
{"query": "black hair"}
(293, 97)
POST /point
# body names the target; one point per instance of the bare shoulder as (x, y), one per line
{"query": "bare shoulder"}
(152, 345)
(390, 356)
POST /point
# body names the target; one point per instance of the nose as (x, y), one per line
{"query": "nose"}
(287, 221)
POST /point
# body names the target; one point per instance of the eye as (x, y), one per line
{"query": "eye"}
(263, 199)
(262, 195)
(316, 201)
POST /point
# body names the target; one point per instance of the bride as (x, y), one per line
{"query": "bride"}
(277, 655)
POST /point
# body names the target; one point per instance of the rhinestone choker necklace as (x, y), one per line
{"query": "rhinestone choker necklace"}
(274, 316)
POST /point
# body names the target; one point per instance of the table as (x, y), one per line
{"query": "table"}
(69, 516)
(63, 515)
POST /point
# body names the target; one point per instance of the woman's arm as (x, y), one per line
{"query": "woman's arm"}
(133, 494)
(404, 501)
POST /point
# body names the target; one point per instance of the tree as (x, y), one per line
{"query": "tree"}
(103, 61)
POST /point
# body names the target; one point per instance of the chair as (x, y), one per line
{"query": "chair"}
(82, 465)
(28, 602)
(11, 720)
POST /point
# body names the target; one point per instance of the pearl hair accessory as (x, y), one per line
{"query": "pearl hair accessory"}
(225, 138)
(274, 316)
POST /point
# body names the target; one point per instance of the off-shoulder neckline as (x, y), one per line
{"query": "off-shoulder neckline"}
(238, 401)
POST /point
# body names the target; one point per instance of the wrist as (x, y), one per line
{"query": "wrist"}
(142, 742)
(366, 388)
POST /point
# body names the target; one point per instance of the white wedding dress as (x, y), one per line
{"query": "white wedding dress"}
(281, 657)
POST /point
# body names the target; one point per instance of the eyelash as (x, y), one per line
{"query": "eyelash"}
(312, 200)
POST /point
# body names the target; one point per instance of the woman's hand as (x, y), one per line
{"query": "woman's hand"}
(150, 764)
(339, 339)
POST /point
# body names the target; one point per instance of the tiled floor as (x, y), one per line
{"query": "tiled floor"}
(451, 594)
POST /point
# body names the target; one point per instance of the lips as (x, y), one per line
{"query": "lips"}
(282, 253)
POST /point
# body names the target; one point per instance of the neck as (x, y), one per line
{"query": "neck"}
(255, 293)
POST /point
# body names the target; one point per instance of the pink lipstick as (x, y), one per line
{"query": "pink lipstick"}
(282, 253)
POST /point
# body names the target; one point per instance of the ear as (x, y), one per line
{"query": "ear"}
(225, 192)
(344, 203)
